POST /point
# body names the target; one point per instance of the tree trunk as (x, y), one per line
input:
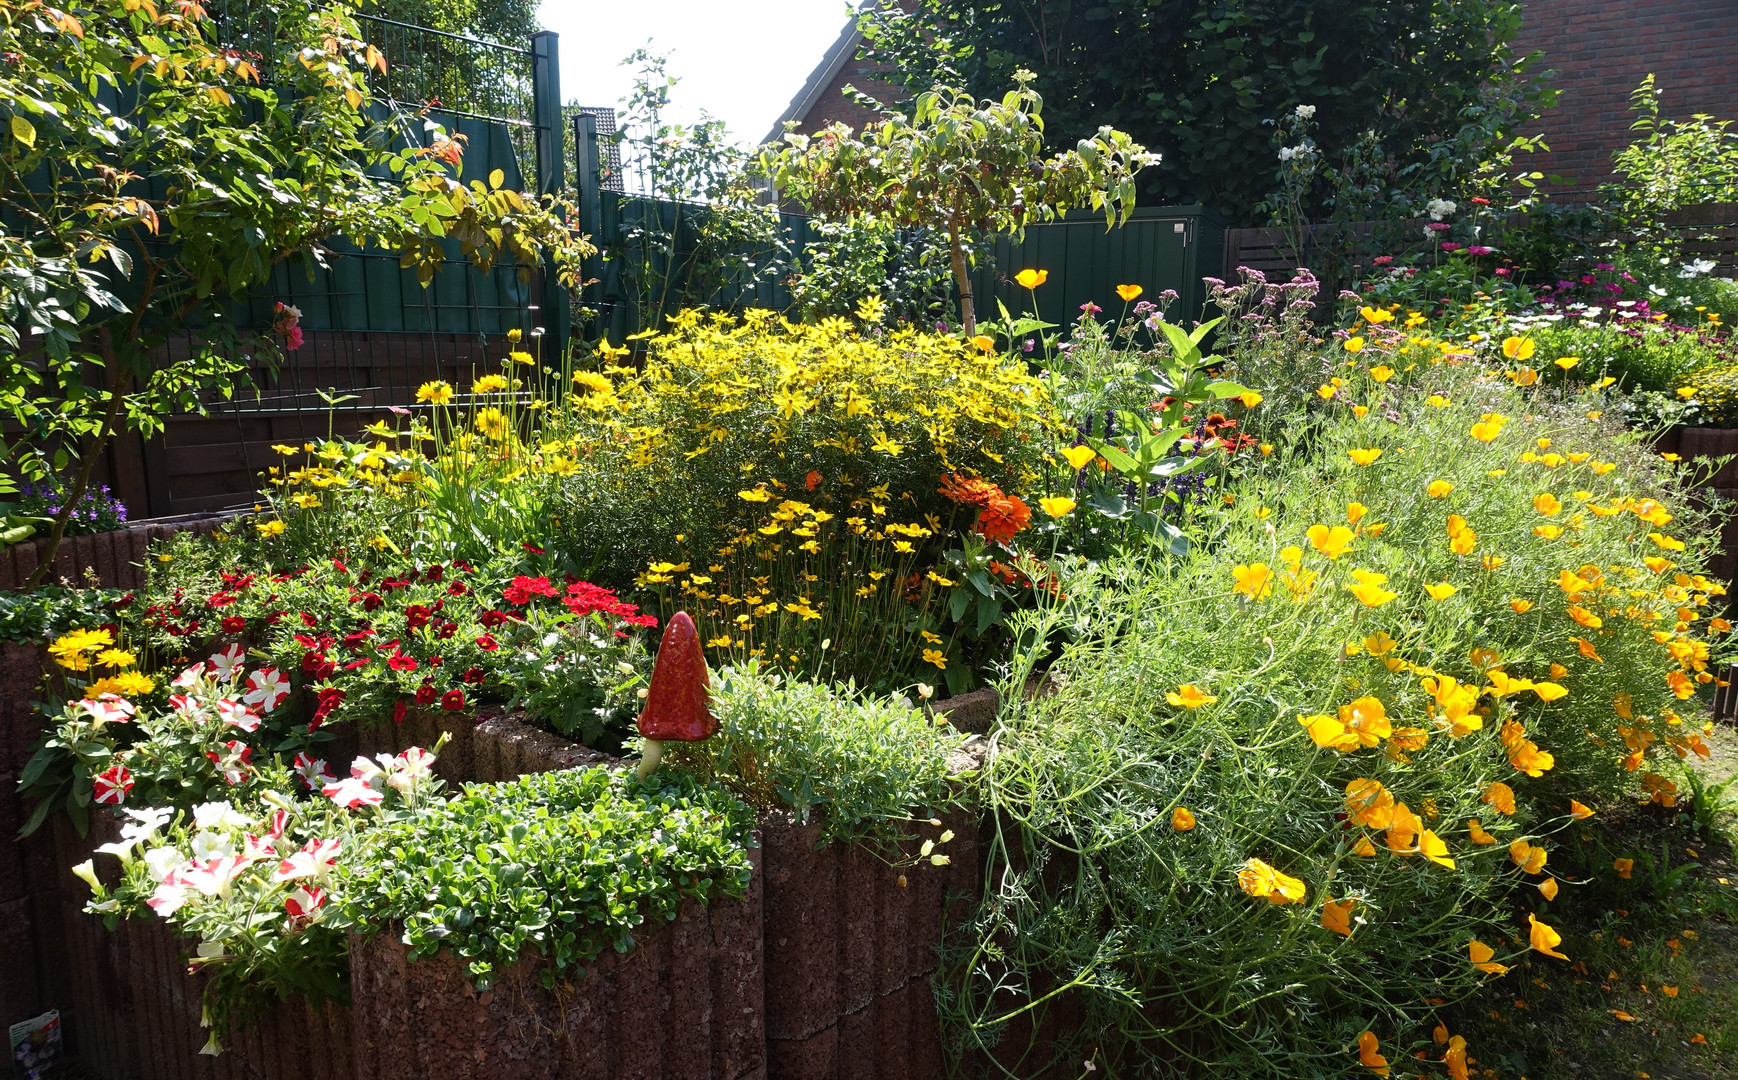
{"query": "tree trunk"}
(957, 257)
(99, 442)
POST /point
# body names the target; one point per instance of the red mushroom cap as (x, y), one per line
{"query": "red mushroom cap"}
(677, 707)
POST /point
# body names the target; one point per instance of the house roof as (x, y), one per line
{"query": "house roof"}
(837, 56)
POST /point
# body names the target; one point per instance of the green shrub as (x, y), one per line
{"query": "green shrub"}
(857, 763)
(565, 864)
(1142, 928)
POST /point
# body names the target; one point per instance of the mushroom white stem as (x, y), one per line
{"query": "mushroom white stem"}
(650, 756)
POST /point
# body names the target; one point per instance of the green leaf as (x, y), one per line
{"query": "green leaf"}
(497, 178)
(24, 131)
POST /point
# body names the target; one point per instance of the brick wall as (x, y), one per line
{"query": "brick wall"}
(834, 106)
(1601, 49)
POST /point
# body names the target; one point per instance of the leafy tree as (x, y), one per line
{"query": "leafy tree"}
(959, 166)
(509, 22)
(149, 177)
(1202, 80)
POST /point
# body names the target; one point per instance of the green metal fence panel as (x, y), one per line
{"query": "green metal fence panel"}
(1159, 248)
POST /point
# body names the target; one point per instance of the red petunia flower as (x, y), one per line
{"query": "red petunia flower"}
(453, 700)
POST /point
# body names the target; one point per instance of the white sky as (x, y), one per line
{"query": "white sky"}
(742, 62)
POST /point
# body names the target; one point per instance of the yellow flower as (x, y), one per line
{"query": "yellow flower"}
(1480, 954)
(1031, 279)
(1330, 542)
(434, 393)
(1254, 580)
(1477, 832)
(1360, 411)
(1579, 810)
(1547, 504)
(1686, 392)
(1549, 888)
(1529, 858)
(1441, 591)
(1364, 457)
(522, 358)
(1566, 362)
(492, 422)
(1381, 373)
(1543, 938)
(1369, 588)
(1057, 506)
(1437, 401)
(1666, 543)
(1078, 456)
(1624, 867)
(69, 649)
(488, 384)
(1182, 820)
(1354, 344)
(1189, 696)
(1328, 733)
(1326, 391)
(1129, 293)
(1438, 488)
(1250, 399)
(1434, 849)
(1363, 848)
(270, 528)
(1337, 916)
(1374, 316)
(1484, 431)
(1518, 348)
(758, 495)
(936, 657)
(286, 451)
(1549, 532)
(984, 342)
(1262, 881)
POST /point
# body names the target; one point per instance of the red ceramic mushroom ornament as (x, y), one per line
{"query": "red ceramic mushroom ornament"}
(677, 708)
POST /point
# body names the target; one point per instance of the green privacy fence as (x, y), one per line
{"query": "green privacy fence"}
(1159, 248)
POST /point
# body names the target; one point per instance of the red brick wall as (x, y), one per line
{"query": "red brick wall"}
(834, 106)
(1602, 49)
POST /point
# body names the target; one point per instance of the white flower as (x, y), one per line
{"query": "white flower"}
(1696, 269)
(235, 714)
(217, 815)
(1286, 153)
(168, 898)
(189, 677)
(225, 663)
(212, 845)
(164, 861)
(267, 687)
(353, 792)
(1304, 112)
(145, 822)
(1439, 209)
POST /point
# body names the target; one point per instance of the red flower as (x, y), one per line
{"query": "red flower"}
(416, 616)
(434, 572)
(1002, 518)
(399, 708)
(401, 662)
(426, 693)
(111, 787)
(492, 618)
(458, 588)
(533, 548)
(524, 588)
(316, 667)
(453, 700)
(330, 698)
(447, 630)
(369, 601)
(473, 676)
(340, 567)
(487, 642)
(235, 624)
(813, 480)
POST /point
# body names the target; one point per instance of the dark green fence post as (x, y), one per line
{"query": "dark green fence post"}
(546, 114)
(586, 181)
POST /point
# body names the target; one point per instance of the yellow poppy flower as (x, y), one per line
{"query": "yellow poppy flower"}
(1530, 858)
(1440, 591)
(1031, 279)
(1057, 506)
(1363, 456)
(1337, 916)
(1438, 488)
(1262, 881)
(1518, 348)
(1182, 820)
(1477, 832)
(1480, 954)
(1549, 888)
(1189, 696)
(1546, 504)
(1331, 542)
(1254, 581)
(1434, 849)
(1354, 344)
(1520, 606)
(1437, 401)
(1543, 938)
(1381, 373)
(1078, 456)
(1579, 810)
(1250, 399)
(1369, 588)
(1499, 797)
(1367, 1054)
(1329, 733)
(984, 342)
(1363, 848)
(1129, 293)
(1375, 315)
(1566, 362)
(1624, 867)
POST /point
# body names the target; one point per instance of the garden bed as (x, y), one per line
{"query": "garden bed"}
(116, 558)
(822, 968)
